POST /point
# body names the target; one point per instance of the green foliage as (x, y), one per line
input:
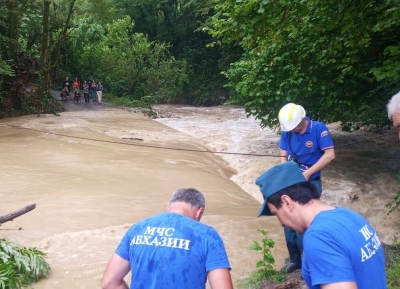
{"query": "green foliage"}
(143, 106)
(133, 65)
(393, 264)
(265, 265)
(395, 205)
(20, 266)
(5, 69)
(177, 22)
(27, 103)
(126, 101)
(127, 63)
(338, 59)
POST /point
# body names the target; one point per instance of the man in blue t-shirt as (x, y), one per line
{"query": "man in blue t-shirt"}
(309, 144)
(171, 250)
(341, 249)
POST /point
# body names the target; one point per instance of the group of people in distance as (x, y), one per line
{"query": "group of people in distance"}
(90, 91)
(335, 247)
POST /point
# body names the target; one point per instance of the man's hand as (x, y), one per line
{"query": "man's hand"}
(306, 175)
(116, 270)
(326, 158)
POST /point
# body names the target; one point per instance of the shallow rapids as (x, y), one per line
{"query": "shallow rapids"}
(93, 173)
(89, 192)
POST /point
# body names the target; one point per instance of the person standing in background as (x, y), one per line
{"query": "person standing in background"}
(93, 89)
(99, 92)
(77, 84)
(309, 144)
(85, 87)
(66, 83)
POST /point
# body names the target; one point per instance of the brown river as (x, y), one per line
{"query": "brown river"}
(95, 170)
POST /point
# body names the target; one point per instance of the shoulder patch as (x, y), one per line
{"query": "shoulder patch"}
(309, 144)
(325, 133)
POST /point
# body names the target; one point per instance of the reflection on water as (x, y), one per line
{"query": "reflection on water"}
(89, 192)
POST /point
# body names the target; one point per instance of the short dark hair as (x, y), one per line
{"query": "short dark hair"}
(300, 192)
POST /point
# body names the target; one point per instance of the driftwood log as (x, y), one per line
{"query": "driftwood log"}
(16, 214)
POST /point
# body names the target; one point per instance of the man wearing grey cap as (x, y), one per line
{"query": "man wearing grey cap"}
(393, 108)
(341, 249)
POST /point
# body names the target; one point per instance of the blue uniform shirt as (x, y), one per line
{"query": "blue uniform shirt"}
(309, 145)
(172, 251)
(341, 246)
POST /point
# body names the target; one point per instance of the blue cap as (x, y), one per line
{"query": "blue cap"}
(276, 179)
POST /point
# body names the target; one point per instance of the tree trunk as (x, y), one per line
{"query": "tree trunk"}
(44, 88)
(63, 36)
(13, 19)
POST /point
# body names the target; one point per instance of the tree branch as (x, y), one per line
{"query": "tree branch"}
(16, 214)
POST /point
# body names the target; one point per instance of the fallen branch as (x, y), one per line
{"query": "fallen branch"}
(16, 214)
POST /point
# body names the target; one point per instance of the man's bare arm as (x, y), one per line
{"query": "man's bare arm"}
(116, 270)
(220, 279)
(326, 158)
(340, 285)
(283, 156)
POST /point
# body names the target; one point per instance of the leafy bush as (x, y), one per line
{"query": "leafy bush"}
(20, 266)
(144, 105)
(126, 101)
(265, 265)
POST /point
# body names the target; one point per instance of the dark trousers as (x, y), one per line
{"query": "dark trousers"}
(86, 95)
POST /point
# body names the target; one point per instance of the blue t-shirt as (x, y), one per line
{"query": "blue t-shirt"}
(309, 145)
(172, 251)
(341, 246)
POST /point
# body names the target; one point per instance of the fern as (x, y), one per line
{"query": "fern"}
(20, 266)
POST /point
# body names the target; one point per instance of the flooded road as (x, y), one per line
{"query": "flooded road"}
(92, 173)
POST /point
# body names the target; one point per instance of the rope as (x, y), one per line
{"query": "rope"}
(180, 149)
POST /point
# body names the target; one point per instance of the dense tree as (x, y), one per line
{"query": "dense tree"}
(338, 59)
(178, 23)
(31, 37)
(134, 66)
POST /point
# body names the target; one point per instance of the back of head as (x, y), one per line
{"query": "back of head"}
(290, 116)
(190, 196)
(393, 106)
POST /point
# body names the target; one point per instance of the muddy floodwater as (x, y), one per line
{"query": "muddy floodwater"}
(94, 172)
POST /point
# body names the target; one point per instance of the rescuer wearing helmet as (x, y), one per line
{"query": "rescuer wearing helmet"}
(309, 144)
(393, 108)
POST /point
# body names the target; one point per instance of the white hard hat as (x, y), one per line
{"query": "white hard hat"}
(290, 116)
